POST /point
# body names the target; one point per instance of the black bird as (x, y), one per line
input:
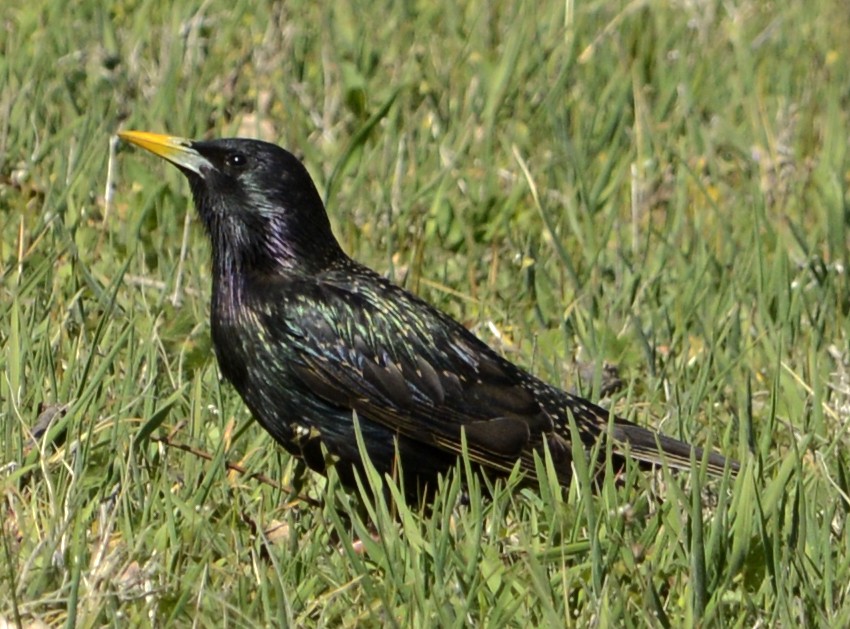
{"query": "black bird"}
(309, 337)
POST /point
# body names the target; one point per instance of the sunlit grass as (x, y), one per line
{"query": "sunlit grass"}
(660, 186)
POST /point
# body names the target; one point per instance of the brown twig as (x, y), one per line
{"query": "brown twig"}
(236, 467)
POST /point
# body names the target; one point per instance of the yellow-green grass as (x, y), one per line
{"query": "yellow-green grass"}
(657, 185)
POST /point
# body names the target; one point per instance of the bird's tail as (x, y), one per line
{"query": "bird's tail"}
(657, 449)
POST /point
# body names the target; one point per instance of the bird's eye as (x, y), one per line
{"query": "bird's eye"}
(236, 161)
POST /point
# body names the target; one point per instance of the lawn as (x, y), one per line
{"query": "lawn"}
(658, 186)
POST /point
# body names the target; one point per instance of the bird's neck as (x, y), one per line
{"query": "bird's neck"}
(271, 245)
(238, 268)
(240, 280)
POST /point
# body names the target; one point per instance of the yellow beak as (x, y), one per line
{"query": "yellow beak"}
(176, 150)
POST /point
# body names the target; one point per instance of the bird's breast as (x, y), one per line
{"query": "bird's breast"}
(236, 332)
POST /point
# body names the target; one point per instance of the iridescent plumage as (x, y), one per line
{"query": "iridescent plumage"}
(308, 337)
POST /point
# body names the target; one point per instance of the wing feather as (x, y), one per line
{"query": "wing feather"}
(373, 348)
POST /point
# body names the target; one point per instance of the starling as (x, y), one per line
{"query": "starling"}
(309, 338)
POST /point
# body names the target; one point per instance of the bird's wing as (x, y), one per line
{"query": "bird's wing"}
(399, 362)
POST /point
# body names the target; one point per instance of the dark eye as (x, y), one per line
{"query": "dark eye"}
(235, 161)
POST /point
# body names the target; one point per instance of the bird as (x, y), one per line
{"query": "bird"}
(316, 343)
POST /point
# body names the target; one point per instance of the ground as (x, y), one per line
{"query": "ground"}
(660, 186)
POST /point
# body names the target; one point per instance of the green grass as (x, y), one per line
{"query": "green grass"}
(662, 186)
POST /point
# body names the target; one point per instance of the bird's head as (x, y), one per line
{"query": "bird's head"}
(256, 200)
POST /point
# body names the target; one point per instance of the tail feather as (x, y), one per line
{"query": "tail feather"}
(657, 449)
